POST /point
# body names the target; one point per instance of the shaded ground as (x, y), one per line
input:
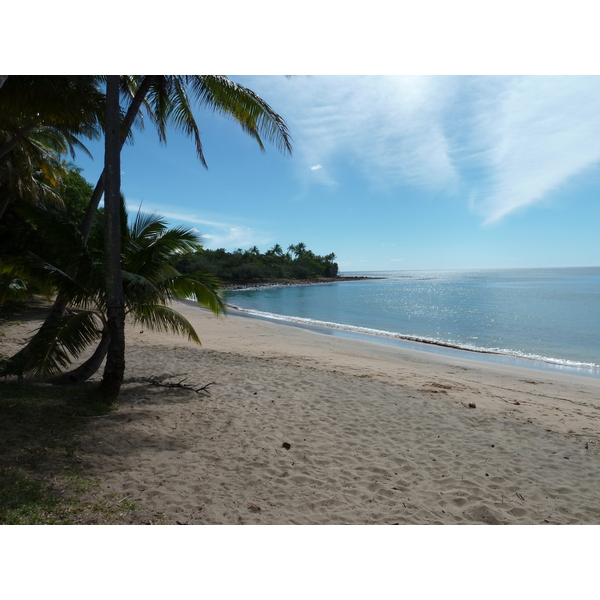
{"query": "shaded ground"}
(41, 477)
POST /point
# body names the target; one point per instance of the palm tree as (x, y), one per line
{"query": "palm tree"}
(298, 250)
(150, 283)
(167, 101)
(168, 98)
(276, 250)
(42, 117)
(34, 172)
(72, 105)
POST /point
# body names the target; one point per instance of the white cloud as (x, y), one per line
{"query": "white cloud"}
(235, 237)
(316, 167)
(541, 132)
(502, 142)
(216, 233)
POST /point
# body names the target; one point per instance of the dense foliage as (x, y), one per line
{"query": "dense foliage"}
(18, 235)
(252, 265)
(148, 249)
(42, 118)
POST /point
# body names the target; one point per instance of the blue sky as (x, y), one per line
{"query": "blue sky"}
(407, 172)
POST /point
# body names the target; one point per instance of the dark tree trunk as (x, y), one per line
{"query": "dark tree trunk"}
(61, 302)
(115, 304)
(88, 368)
(132, 112)
(88, 219)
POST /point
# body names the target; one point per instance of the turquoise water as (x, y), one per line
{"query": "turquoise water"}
(547, 316)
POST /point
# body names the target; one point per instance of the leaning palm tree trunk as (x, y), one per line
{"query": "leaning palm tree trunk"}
(88, 368)
(132, 112)
(61, 302)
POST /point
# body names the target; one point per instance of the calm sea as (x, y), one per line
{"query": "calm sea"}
(542, 318)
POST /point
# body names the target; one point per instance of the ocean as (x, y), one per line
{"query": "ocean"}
(541, 318)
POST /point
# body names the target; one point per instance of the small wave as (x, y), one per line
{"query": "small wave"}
(411, 338)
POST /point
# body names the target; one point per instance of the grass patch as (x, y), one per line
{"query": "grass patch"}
(41, 477)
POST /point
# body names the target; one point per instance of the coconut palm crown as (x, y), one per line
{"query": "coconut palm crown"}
(150, 283)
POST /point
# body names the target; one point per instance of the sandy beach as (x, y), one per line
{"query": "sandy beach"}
(302, 428)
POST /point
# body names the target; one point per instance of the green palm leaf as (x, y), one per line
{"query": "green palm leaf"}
(232, 99)
(200, 287)
(51, 348)
(168, 101)
(163, 318)
(150, 282)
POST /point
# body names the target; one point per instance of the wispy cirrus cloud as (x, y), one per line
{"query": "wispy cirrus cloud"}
(217, 233)
(388, 128)
(504, 143)
(540, 132)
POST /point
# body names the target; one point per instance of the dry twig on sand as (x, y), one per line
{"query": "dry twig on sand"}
(183, 386)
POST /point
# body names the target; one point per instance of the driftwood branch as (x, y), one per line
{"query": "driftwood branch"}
(184, 386)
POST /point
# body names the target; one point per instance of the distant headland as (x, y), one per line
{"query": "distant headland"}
(262, 283)
(252, 268)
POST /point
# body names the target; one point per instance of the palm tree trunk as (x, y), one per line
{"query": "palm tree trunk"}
(61, 302)
(88, 368)
(114, 369)
(132, 112)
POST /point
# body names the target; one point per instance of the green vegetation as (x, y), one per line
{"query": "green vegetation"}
(148, 247)
(42, 479)
(19, 236)
(252, 265)
(43, 117)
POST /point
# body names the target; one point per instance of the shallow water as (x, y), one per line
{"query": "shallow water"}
(547, 316)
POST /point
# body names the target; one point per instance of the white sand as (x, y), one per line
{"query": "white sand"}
(377, 434)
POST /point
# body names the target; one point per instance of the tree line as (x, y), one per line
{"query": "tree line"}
(298, 262)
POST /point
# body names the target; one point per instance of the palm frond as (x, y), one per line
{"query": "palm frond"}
(162, 318)
(137, 288)
(12, 289)
(64, 261)
(50, 350)
(200, 287)
(255, 116)
(183, 117)
(147, 225)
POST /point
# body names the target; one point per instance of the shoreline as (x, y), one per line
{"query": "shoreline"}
(299, 428)
(542, 363)
(259, 284)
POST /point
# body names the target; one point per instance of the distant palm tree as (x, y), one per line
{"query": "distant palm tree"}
(276, 250)
(150, 282)
(298, 250)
